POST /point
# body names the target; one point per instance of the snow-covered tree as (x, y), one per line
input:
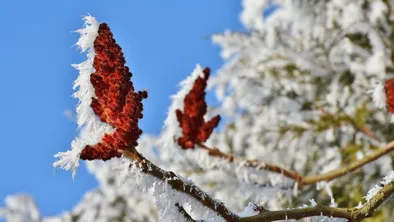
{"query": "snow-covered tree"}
(306, 103)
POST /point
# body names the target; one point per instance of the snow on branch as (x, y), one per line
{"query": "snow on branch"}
(375, 198)
(178, 184)
(94, 129)
(300, 179)
(386, 180)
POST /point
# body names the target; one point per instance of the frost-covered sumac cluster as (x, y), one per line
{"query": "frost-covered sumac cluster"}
(306, 100)
(194, 129)
(116, 104)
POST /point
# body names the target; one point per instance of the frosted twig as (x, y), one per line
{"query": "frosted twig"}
(252, 163)
(306, 180)
(178, 184)
(352, 214)
(362, 129)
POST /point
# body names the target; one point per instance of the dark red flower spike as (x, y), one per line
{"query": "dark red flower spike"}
(191, 120)
(116, 103)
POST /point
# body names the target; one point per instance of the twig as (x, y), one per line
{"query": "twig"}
(362, 129)
(252, 163)
(178, 184)
(305, 180)
(352, 214)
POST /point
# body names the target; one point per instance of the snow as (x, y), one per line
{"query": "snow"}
(376, 64)
(248, 211)
(92, 128)
(379, 95)
(373, 191)
(252, 15)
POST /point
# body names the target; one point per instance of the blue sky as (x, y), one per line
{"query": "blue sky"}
(162, 42)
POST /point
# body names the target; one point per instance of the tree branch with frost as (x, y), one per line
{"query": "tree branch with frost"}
(196, 130)
(352, 214)
(362, 128)
(341, 171)
(251, 163)
(178, 184)
(301, 179)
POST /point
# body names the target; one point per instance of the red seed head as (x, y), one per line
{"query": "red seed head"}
(194, 128)
(117, 103)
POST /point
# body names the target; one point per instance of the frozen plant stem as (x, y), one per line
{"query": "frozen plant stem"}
(308, 180)
(352, 214)
(177, 184)
(305, 180)
(252, 163)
